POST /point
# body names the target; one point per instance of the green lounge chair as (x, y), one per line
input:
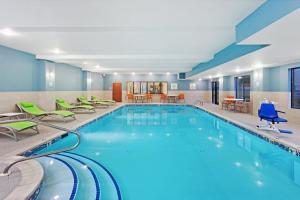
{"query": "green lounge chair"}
(84, 101)
(63, 105)
(110, 102)
(36, 112)
(11, 128)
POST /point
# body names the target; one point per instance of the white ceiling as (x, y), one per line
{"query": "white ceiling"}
(124, 36)
(284, 39)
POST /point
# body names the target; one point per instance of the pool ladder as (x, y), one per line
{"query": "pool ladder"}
(6, 169)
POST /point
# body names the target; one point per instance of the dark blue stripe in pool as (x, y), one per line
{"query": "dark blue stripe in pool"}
(91, 171)
(75, 178)
(106, 170)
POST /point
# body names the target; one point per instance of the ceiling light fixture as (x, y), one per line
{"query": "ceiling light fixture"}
(133, 73)
(168, 73)
(210, 77)
(150, 73)
(200, 79)
(85, 63)
(237, 70)
(56, 51)
(8, 32)
(115, 73)
(97, 66)
(258, 66)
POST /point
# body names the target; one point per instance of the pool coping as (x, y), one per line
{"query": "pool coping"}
(30, 183)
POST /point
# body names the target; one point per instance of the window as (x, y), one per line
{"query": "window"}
(130, 87)
(242, 87)
(144, 87)
(295, 88)
(136, 87)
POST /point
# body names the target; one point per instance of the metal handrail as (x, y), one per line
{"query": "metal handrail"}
(6, 169)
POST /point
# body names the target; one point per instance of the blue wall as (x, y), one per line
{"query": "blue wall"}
(274, 79)
(97, 81)
(124, 78)
(19, 70)
(67, 77)
(228, 83)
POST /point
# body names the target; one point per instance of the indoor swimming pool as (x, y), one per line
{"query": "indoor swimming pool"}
(168, 152)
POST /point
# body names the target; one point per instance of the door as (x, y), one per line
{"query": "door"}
(117, 92)
(215, 92)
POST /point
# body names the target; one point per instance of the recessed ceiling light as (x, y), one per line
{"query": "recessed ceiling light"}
(85, 63)
(200, 79)
(150, 73)
(210, 77)
(97, 66)
(168, 73)
(237, 70)
(8, 32)
(133, 73)
(56, 51)
(258, 65)
(115, 73)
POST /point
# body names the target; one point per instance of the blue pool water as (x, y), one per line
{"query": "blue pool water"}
(171, 152)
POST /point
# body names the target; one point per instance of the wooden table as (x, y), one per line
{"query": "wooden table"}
(172, 98)
(138, 97)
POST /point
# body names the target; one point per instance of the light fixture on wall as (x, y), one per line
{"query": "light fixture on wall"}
(97, 66)
(199, 79)
(237, 70)
(133, 73)
(89, 80)
(168, 73)
(85, 63)
(50, 76)
(150, 73)
(8, 32)
(210, 77)
(115, 73)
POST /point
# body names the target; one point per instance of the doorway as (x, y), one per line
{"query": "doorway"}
(215, 92)
(117, 92)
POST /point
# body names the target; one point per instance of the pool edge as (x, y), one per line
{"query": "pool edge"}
(290, 147)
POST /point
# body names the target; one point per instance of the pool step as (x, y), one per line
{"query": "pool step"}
(60, 179)
(89, 185)
(73, 176)
(109, 187)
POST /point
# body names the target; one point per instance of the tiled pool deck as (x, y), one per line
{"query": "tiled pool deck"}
(28, 140)
(249, 122)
